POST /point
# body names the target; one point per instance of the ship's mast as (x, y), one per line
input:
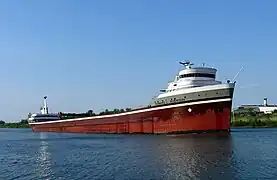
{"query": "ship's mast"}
(44, 109)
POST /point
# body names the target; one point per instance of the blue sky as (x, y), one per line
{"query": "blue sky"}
(116, 54)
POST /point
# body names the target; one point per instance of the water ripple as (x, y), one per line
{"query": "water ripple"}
(246, 154)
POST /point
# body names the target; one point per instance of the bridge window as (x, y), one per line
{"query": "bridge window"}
(197, 75)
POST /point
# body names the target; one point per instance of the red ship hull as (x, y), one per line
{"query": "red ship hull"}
(207, 116)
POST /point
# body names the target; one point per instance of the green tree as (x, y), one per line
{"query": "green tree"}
(24, 121)
(91, 113)
(128, 109)
(116, 111)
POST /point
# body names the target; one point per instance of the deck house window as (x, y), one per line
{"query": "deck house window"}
(197, 75)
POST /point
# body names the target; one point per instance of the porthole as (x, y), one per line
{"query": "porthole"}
(189, 109)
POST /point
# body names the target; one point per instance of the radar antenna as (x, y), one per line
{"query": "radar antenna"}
(187, 64)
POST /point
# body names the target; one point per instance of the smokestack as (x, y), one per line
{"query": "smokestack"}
(265, 101)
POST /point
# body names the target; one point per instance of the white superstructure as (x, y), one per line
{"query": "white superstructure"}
(193, 77)
(44, 115)
(193, 83)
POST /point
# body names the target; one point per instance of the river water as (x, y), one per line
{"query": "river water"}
(245, 154)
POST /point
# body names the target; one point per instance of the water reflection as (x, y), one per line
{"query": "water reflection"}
(196, 157)
(44, 158)
(242, 155)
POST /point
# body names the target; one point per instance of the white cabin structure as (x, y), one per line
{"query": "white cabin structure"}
(44, 114)
(262, 108)
(194, 83)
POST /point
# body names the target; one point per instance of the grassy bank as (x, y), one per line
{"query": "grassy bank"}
(21, 124)
(254, 119)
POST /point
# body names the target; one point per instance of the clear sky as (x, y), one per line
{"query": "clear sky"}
(119, 53)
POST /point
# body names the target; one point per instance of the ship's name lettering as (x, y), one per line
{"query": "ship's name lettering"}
(171, 101)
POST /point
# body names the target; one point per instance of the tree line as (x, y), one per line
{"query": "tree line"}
(22, 124)
(115, 111)
(251, 118)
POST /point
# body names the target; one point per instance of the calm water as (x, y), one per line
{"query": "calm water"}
(245, 154)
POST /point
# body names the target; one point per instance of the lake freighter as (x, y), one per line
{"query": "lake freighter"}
(194, 102)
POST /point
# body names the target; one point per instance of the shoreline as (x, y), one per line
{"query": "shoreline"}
(17, 126)
(14, 127)
(252, 127)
